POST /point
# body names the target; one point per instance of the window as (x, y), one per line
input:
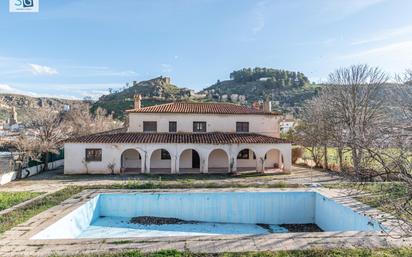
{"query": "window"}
(93, 155)
(244, 154)
(172, 126)
(149, 126)
(199, 126)
(164, 155)
(242, 126)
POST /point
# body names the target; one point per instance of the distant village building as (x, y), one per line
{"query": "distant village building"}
(234, 97)
(242, 99)
(287, 123)
(266, 78)
(224, 97)
(184, 137)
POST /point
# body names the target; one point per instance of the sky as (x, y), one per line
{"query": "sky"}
(78, 48)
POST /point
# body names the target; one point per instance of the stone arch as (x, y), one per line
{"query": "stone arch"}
(189, 161)
(131, 161)
(218, 161)
(161, 161)
(246, 159)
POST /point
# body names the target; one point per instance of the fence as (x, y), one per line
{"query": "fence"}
(33, 168)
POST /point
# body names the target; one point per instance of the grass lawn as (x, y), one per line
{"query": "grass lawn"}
(21, 215)
(383, 196)
(9, 199)
(399, 252)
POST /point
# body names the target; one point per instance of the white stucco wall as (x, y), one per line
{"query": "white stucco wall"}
(261, 124)
(74, 161)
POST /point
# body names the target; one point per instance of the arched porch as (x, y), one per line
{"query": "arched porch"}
(246, 160)
(189, 161)
(218, 161)
(160, 162)
(273, 161)
(131, 161)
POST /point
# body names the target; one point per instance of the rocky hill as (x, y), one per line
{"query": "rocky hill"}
(24, 104)
(154, 91)
(287, 89)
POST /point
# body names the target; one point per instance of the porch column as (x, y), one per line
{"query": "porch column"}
(173, 164)
(177, 164)
(233, 160)
(287, 160)
(260, 163)
(280, 160)
(204, 165)
(143, 163)
(147, 161)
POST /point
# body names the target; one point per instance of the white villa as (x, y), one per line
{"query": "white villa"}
(184, 137)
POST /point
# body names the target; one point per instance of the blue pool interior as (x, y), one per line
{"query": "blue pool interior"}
(107, 215)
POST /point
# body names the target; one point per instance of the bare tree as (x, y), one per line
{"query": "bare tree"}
(353, 94)
(27, 149)
(316, 129)
(82, 122)
(48, 131)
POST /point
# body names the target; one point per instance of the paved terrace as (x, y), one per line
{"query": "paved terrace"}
(54, 180)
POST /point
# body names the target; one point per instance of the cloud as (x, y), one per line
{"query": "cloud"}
(340, 9)
(394, 57)
(321, 42)
(258, 17)
(86, 71)
(385, 34)
(37, 69)
(7, 89)
(66, 91)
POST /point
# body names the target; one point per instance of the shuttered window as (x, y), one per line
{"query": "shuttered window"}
(199, 126)
(172, 126)
(242, 126)
(93, 155)
(149, 126)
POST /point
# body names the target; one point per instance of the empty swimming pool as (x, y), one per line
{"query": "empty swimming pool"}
(114, 215)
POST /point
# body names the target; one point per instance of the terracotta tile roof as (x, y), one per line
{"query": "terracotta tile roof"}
(177, 138)
(193, 107)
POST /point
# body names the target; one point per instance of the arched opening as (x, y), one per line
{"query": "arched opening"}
(218, 161)
(161, 162)
(131, 161)
(246, 160)
(273, 161)
(189, 161)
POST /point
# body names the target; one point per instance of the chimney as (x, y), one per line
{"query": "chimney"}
(267, 106)
(137, 102)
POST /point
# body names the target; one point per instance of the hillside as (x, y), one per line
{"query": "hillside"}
(287, 89)
(24, 104)
(154, 91)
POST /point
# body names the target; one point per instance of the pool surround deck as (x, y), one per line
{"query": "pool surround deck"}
(17, 242)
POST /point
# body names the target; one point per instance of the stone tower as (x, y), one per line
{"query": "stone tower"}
(13, 116)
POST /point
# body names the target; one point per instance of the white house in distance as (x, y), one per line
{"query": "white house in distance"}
(184, 137)
(287, 123)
